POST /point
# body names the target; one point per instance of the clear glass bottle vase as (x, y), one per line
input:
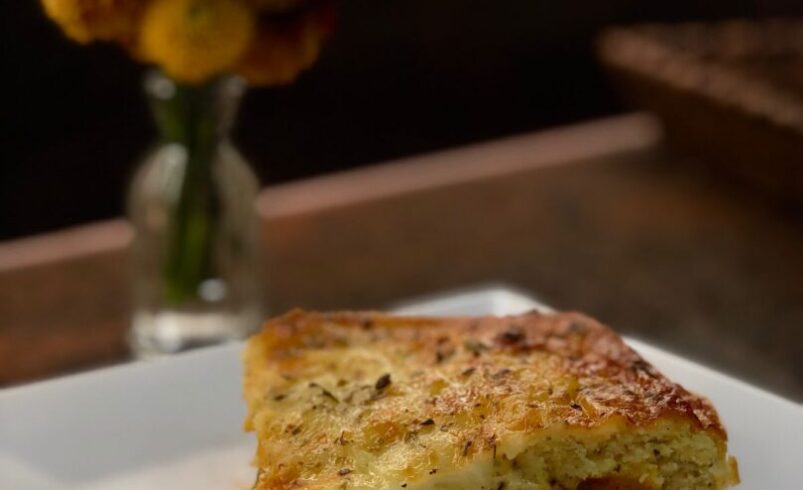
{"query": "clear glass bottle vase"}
(197, 268)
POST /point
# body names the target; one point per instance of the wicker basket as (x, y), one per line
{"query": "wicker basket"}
(730, 93)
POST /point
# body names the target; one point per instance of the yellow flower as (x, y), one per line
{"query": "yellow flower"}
(193, 40)
(281, 50)
(89, 20)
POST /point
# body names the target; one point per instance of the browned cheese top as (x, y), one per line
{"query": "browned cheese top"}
(320, 385)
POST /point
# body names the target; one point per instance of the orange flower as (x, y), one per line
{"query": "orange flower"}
(89, 20)
(193, 40)
(282, 49)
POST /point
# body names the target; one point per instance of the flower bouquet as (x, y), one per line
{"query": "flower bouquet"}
(196, 250)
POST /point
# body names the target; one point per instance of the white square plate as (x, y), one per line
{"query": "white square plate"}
(175, 423)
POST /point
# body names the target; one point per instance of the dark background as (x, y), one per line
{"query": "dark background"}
(400, 77)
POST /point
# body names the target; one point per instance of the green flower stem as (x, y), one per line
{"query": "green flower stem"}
(189, 119)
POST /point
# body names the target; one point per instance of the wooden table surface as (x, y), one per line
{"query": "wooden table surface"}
(597, 217)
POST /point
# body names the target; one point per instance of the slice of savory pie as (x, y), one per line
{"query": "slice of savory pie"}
(537, 401)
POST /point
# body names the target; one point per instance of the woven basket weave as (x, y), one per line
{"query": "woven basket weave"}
(730, 93)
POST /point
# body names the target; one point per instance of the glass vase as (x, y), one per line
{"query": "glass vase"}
(196, 251)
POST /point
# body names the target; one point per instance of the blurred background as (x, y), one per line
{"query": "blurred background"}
(400, 77)
(681, 225)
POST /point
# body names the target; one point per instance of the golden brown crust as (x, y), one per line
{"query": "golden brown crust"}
(614, 377)
(468, 385)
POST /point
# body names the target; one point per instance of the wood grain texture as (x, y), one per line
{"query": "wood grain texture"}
(628, 233)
